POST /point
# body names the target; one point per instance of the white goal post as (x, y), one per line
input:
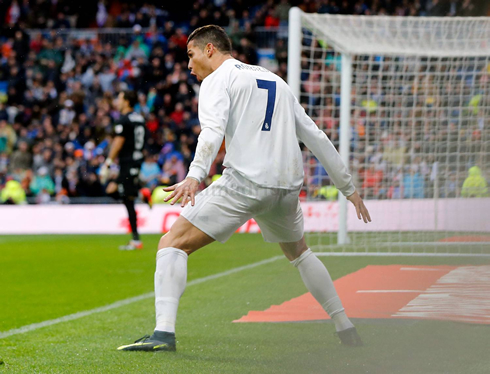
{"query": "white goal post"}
(406, 100)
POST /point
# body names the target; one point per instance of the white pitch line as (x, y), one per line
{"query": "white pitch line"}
(423, 269)
(388, 291)
(117, 304)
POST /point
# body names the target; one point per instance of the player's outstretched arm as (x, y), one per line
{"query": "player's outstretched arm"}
(361, 210)
(316, 140)
(185, 190)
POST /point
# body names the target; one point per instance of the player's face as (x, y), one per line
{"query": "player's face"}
(199, 63)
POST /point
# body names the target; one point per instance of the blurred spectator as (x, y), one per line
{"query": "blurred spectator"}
(4, 162)
(102, 15)
(62, 197)
(395, 152)
(178, 114)
(13, 193)
(67, 114)
(180, 39)
(21, 159)
(13, 13)
(173, 170)
(450, 188)
(372, 181)
(271, 20)
(60, 181)
(282, 11)
(89, 185)
(328, 193)
(281, 51)
(395, 191)
(150, 172)
(8, 137)
(468, 9)
(436, 8)
(42, 183)
(21, 45)
(413, 183)
(61, 22)
(137, 50)
(327, 6)
(475, 185)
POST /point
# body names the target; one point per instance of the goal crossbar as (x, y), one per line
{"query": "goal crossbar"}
(399, 36)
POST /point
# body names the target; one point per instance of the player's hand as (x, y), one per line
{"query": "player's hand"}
(361, 210)
(104, 173)
(186, 190)
(104, 170)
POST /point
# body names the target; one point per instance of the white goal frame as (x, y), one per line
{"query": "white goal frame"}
(428, 37)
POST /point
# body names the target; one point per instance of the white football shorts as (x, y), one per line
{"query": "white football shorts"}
(232, 200)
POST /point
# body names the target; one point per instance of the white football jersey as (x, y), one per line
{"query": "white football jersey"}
(261, 121)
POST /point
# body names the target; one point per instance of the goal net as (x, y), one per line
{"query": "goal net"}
(406, 100)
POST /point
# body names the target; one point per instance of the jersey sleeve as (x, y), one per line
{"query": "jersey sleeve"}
(316, 140)
(122, 127)
(214, 109)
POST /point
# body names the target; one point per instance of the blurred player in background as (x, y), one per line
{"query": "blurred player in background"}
(129, 141)
(261, 121)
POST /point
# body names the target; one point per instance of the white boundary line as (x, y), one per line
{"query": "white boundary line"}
(117, 304)
(390, 291)
(422, 269)
(402, 254)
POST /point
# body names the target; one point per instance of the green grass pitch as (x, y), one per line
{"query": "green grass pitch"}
(47, 277)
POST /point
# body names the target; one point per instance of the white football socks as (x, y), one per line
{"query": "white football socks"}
(318, 281)
(170, 281)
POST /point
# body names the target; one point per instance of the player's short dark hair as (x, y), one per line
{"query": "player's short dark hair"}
(131, 97)
(211, 34)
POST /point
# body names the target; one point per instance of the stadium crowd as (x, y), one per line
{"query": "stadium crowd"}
(413, 134)
(57, 93)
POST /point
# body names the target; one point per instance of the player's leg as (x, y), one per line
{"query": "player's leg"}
(128, 188)
(128, 202)
(113, 190)
(318, 281)
(135, 242)
(216, 215)
(284, 224)
(171, 271)
(170, 282)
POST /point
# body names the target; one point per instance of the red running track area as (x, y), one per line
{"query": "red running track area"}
(397, 291)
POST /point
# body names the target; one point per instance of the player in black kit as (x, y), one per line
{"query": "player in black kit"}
(129, 140)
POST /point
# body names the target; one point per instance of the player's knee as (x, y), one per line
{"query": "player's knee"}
(293, 250)
(175, 241)
(294, 255)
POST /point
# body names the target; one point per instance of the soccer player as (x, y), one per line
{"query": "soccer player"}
(128, 143)
(261, 121)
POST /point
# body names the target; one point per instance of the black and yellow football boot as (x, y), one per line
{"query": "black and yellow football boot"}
(349, 337)
(158, 341)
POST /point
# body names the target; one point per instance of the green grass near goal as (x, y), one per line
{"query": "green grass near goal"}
(47, 277)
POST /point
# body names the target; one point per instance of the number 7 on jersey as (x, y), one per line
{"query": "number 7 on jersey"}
(270, 86)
